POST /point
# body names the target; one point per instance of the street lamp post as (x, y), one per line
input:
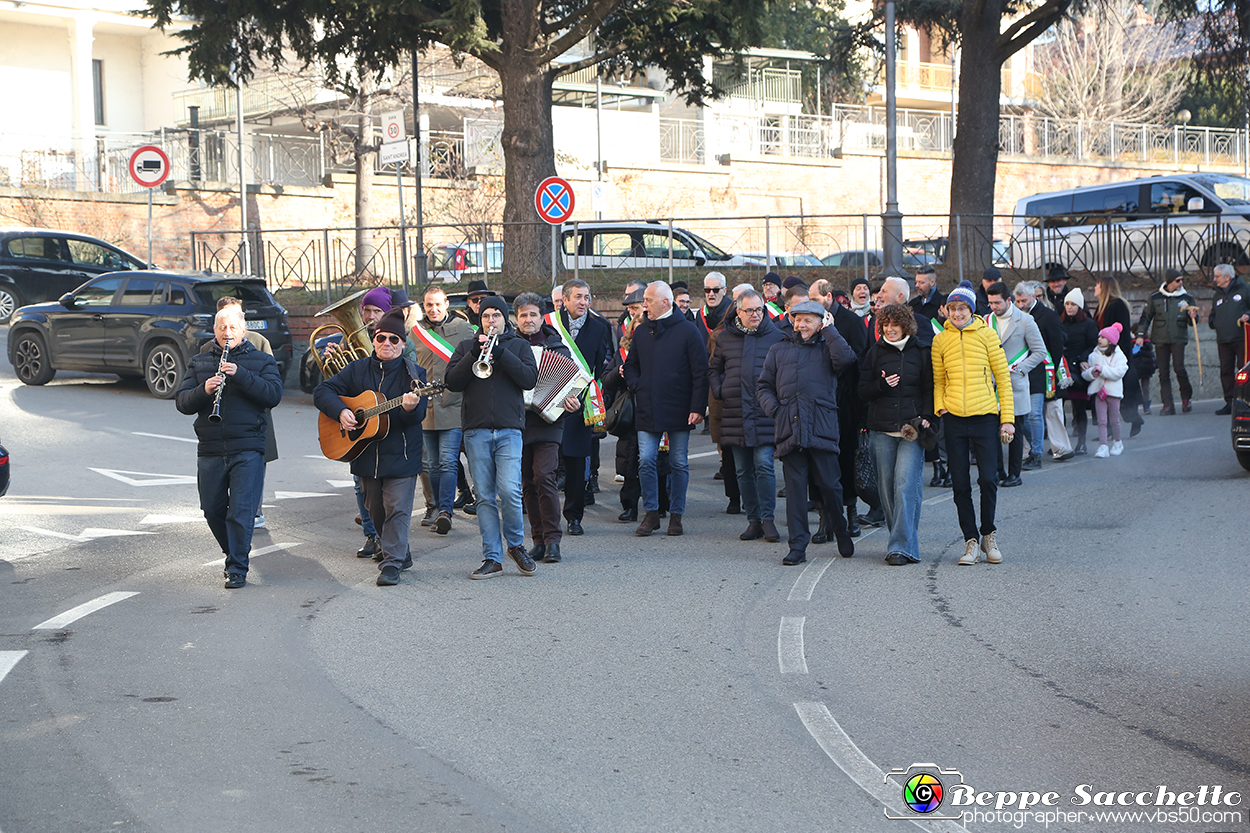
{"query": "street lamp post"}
(891, 218)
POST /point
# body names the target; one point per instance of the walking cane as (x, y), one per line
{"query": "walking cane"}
(1197, 343)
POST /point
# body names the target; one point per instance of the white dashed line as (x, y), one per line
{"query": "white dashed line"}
(868, 776)
(219, 562)
(74, 614)
(805, 584)
(165, 437)
(8, 659)
(790, 656)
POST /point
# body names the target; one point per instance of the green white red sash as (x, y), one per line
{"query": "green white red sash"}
(774, 311)
(438, 345)
(593, 409)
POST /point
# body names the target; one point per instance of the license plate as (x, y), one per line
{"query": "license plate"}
(257, 325)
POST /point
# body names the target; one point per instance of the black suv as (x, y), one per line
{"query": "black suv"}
(42, 265)
(145, 324)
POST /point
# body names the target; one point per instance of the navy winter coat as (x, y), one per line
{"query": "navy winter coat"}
(667, 371)
(799, 390)
(736, 365)
(398, 454)
(594, 340)
(254, 388)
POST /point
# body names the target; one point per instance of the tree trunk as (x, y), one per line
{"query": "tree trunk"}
(975, 161)
(365, 153)
(528, 152)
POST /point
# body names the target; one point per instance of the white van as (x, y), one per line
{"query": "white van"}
(1184, 221)
(641, 245)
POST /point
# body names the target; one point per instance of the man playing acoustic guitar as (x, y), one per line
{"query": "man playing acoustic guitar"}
(389, 465)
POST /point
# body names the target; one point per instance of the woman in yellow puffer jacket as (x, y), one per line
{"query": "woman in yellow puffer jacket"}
(972, 395)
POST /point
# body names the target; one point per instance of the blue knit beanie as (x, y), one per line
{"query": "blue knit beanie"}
(964, 292)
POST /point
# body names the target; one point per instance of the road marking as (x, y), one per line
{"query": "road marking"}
(54, 534)
(8, 659)
(341, 484)
(88, 534)
(870, 777)
(76, 613)
(219, 562)
(805, 584)
(790, 655)
(702, 454)
(168, 519)
(938, 499)
(165, 437)
(296, 495)
(1169, 445)
(144, 478)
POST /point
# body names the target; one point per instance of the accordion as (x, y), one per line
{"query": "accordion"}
(559, 377)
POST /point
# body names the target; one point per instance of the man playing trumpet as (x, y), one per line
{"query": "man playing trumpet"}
(492, 369)
(231, 464)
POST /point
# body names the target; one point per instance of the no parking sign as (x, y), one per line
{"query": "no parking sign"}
(554, 200)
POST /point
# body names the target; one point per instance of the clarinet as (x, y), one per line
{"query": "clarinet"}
(215, 416)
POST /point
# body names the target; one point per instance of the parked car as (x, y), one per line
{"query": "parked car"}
(42, 265)
(801, 259)
(145, 325)
(1183, 221)
(932, 251)
(4, 471)
(642, 245)
(1241, 417)
(452, 263)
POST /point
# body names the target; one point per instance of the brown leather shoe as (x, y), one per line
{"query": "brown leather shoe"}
(674, 524)
(650, 523)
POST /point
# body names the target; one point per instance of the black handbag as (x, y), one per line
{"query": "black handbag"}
(619, 419)
(866, 472)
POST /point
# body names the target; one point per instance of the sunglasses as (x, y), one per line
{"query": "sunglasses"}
(712, 290)
(383, 338)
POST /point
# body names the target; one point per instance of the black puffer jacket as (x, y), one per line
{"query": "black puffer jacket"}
(254, 388)
(890, 407)
(1230, 304)
(1080, 339)
(667, 371)
(496, 401)
(798, 388)
(398, 454)
(736, 365)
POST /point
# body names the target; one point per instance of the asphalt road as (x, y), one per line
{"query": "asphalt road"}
(659, 684)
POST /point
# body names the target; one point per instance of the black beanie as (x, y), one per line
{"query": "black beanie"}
(393, 323)
(496, 302)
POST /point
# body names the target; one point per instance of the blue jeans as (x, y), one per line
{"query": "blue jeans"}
(230, 487)
(900, 480)
(495, 463)
(1036, 422)
(441, 450)
(757, 482)
(648, 451)
(366, 523)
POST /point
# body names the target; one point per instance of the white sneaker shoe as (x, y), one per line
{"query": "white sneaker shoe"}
(972, 552)
(1117, 448)
(259, 521)
(989, 546)
(1102, 452)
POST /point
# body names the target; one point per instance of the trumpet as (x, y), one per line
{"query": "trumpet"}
(485, 364)
(215, 415)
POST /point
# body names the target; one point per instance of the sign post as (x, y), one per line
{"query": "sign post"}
(149, 167)
(395, 149)
(554, 203)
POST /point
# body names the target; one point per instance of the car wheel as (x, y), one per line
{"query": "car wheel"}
(9, 301)
(31, 360)
(1243, 457)
(163, 370)
(1225, 253)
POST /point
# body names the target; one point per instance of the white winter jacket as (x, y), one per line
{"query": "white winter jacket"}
(1112, 369)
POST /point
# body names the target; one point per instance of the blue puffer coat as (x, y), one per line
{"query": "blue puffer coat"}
(736, 365)
(398, 454)
(254, 388)
(799, 390)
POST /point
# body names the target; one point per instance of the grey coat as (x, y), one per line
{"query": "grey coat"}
(444, 410)
(1019, 335)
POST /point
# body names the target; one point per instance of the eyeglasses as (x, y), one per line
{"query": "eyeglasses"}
(753, 310)
(712, 290)
(384, 338)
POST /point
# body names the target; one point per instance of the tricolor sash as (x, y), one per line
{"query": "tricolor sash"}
(774, 311)
(593, 409)
(438, 345)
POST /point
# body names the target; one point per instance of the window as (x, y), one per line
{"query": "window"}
(93, 254)
(36, 248)
(97, 89)
(613, 244)
(656, 245)
(98, 294)
(177, 295)
(138, 293)
(1105, 205)
(1170, 197)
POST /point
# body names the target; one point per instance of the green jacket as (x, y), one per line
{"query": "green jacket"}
(1163, 319)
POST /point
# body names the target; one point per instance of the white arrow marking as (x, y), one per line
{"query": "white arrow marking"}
(168, 519)
(8, 659)
(341, 484)
(165, 437)
(76, 613)
(148, 478)
(88, 534)
(262, 551)
(294, 495)
(64, 535)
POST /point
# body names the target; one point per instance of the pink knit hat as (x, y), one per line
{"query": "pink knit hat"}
(1112, 333)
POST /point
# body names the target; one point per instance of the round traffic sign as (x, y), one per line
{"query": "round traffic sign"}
(149, 166)
(554, 200)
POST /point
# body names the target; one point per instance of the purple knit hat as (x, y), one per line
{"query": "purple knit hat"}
(379, 296)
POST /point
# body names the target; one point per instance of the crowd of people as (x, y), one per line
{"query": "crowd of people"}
(852, 391)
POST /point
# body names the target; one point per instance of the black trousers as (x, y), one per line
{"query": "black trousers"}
(538, 491)
(1230, 363)
(729, 471)
(822, 467)
(1015, 451)
(574, 488)
(1172, 357)
(976, 435)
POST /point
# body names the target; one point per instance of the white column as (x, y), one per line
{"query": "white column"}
(80, 42)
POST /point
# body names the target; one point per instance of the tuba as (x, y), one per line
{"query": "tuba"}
(355, 343)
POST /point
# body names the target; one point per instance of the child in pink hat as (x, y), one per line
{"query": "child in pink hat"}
(1105, 372)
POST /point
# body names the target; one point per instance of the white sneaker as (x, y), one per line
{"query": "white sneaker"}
(1102, 452)
(989, 546)
(620, 478)
(259, 521)
(972, 552)
(1117, 448)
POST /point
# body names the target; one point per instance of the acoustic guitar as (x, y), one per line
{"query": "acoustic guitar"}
(372, 423)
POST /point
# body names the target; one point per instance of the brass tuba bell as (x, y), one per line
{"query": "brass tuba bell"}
(355, 343)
